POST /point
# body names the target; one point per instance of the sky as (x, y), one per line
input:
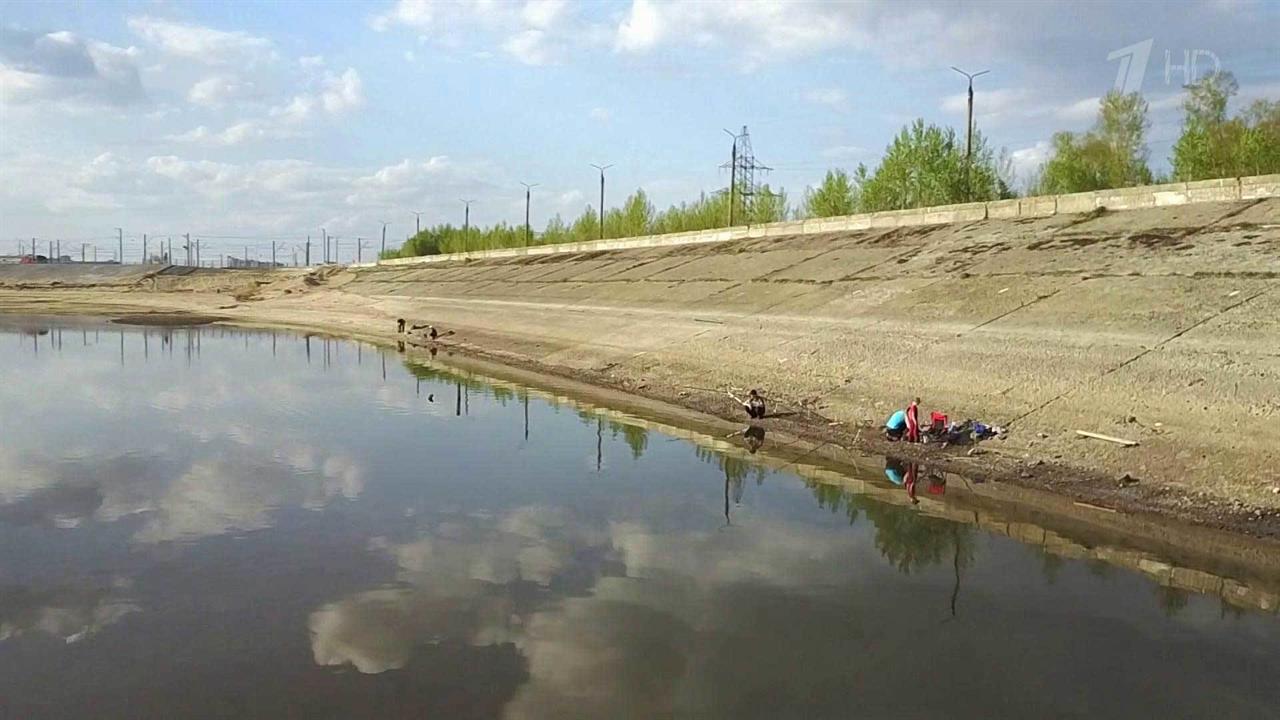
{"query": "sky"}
(247, 124)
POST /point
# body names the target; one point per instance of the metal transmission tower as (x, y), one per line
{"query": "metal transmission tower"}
(742, 167)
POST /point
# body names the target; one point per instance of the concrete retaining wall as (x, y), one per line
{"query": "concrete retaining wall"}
(1134, 198)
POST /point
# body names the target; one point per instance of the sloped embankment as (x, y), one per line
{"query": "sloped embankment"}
(1158, 325)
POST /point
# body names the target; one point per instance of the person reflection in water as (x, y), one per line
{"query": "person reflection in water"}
(902, 474)
(752, 437)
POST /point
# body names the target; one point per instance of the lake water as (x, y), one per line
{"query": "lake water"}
(213, 523)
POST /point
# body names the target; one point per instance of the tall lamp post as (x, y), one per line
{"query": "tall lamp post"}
(601, 168)
(528, 234)
(968, 143)
(466, 225)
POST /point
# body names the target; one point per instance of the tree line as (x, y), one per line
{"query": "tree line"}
(926, 165)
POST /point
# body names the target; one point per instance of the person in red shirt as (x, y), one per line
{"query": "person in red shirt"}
(913, 421)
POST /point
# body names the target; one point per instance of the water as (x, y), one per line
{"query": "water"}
(211, 523)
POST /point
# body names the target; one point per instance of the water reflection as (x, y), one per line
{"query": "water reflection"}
(328, 538)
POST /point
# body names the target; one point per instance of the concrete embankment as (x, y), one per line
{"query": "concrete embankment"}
(1158, 325)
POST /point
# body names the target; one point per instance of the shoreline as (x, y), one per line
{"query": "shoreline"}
(832, 440)
(1241, 568)
(991, 483)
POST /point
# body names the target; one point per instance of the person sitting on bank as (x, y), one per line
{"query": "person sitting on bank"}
(754, 404)
(896, 426)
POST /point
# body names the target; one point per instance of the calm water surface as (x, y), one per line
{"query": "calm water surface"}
(211, 523)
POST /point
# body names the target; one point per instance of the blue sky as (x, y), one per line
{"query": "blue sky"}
(268, 121)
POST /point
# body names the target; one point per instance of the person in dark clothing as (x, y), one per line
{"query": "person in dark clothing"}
(400, 326)
(754, 404)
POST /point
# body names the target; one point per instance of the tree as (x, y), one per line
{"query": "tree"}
(926, 165)
(1213, 145)
(837, 195)
(1112, 154)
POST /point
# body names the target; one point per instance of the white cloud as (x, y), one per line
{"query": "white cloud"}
(530, 47)
(343, 92)
(62, 67)
(216, 91)
(641, 29)
(543, 14)
(834, 98)
(1027, 161)
(537, 32)
(336, 95)
(601, 114)
(844, 152)
(409, 13)
(202, 44)
(311, 61)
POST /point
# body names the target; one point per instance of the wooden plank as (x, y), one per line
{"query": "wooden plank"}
(1108, 438)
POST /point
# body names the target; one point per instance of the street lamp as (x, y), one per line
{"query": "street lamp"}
(527, 191)
(968, 143)
(466, 224)
(601, 168)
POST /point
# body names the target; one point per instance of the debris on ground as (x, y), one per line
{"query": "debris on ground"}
(1108, 438)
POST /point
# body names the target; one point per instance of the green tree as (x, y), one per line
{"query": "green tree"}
(1113, 154)
(1213, 145)
(837, 195)
(926, 165)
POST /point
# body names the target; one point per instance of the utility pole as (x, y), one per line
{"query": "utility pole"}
(187, 246)
(968, 143)
(59, 251)
(51, 257)
(197, 252)
(417, 222)
(384, 235)
(119, 237)
(324, 235)
(360, 247)
(83, 245)
(144, 248)
(601, 168)
(733, 173)
(169, 258)
(308, 255)
(528, 233)
(466, 225)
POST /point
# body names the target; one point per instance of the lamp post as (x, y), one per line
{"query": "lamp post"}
(528, 234)
(968, 143)
(601, 168)
(466, 224)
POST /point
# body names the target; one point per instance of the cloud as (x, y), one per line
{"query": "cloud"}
(844, 152)
(834, 98)
(336, 95)
(64, 68)
(216, 91)
(601, 114)
(536, 32)
(531, 47)
(203, 44)
(641, 29)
